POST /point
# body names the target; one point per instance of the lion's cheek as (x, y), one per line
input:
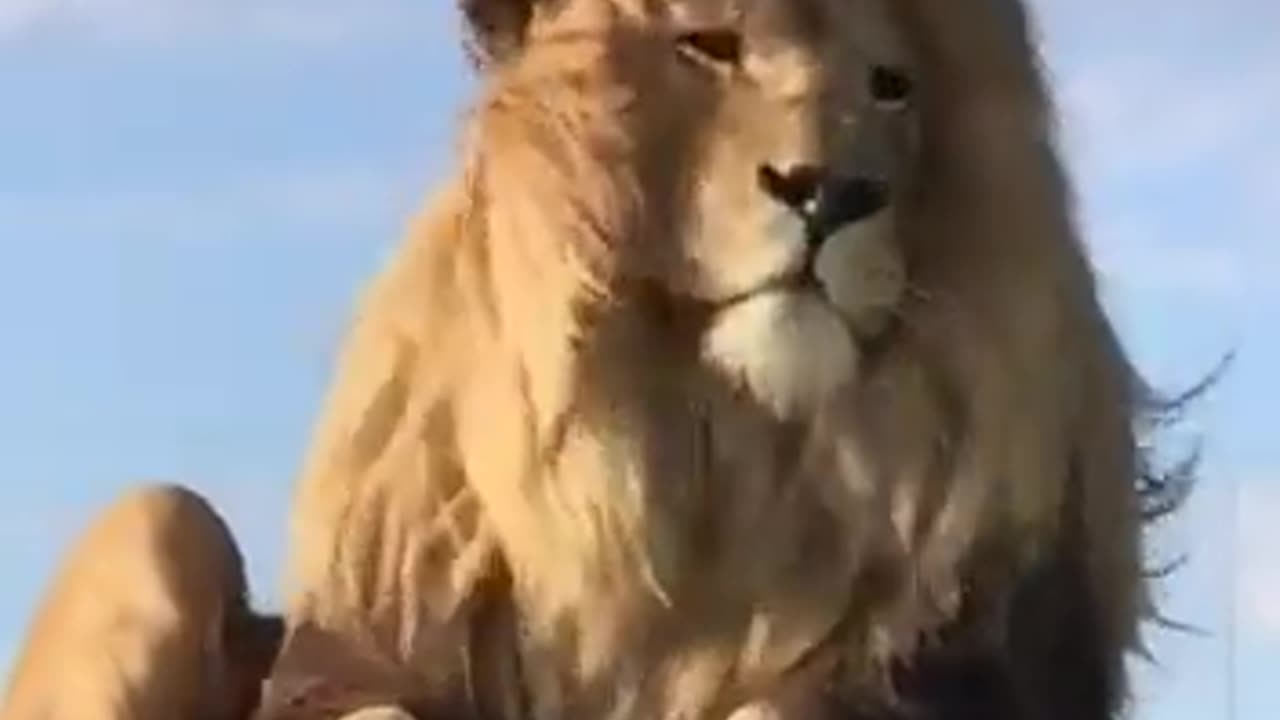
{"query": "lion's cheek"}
(863, 272)
(789, 350)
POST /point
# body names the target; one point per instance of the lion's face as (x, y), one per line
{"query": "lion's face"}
(801, 135)
(742, 158)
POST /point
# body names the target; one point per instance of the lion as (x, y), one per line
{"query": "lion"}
(147, 619)
(750, 364)
(752, 347)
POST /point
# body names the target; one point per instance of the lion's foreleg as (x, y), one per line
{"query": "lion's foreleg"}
(147, 619)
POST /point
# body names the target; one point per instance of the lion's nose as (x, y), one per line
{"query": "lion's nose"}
(827, 201)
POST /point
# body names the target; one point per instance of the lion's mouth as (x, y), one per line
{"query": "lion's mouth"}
(802, 281)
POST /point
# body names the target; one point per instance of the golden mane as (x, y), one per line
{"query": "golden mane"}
(534, 459)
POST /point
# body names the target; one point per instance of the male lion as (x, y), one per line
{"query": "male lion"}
(623, 432)
(146, 620)
(750, 365)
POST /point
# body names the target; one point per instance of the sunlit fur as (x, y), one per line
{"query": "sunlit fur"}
(147, 619)
(571, 373)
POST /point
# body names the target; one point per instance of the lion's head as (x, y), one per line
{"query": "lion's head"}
(731, 162)
(748, 327)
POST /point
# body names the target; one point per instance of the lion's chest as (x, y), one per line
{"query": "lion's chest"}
(754, 546)
(700, 662)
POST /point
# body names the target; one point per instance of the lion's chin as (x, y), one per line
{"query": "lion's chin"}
(787, 347)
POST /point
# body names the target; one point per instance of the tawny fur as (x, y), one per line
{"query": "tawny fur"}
(147, 619)
(569, 375)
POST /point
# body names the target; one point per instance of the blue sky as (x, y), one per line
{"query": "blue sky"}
(193, 191)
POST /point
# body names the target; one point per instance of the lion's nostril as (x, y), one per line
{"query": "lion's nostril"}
(797, 188)
(826, 201)
(844, 200)
(890, 87)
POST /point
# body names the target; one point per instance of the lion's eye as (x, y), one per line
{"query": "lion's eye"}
(716, 48)
(890, 87)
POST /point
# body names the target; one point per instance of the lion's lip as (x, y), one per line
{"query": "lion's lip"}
(801, 281)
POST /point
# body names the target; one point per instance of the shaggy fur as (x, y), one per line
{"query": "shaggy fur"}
(592, 454)
(147, 620)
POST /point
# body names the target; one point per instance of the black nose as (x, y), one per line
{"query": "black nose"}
(826, 200)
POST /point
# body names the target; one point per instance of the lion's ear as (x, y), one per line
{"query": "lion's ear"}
(496, 28)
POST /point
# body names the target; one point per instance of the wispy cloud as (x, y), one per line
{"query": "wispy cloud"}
(1131, 114)
(1184, 113)
(1259, 600)
(333, 199)
(306, 21)
(1139, 254)
(19, 14)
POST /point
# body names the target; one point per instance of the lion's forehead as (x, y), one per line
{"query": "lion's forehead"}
(865, 25)
(792, 54)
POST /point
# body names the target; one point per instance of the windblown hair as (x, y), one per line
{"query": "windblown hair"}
(147, 619)
(588, 454)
